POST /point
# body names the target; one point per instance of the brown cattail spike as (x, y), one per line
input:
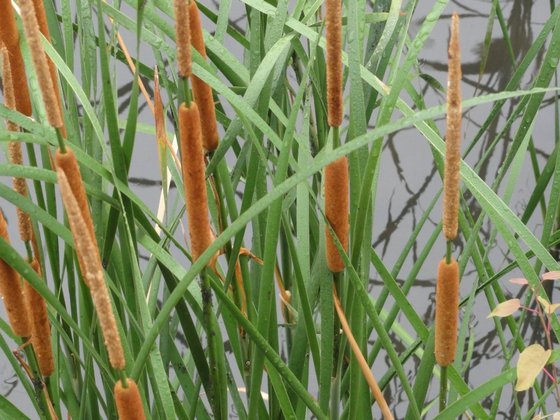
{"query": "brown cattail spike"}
(334, 62)
(92, 271)
(203, 92)
(12, 292)
(129, 401)
(14, 147)
(447, 311)
(41, 327)
(40, 63)
(452, 173)
(9, 36)
(183, 38)
(196, 197)
(336, 210)
(44, 28)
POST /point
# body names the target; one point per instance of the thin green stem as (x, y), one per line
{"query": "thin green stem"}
(60, 139)
(443, 389)
(448, 254)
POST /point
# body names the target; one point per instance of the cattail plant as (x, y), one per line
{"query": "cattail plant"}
(447, 303)
(40, 325)
(14, 147)
(192, 157)
(183, 38)
(201, 90)
(92, 271)
(129, 401)
(12, 292)
(40, 63)
(453, 136)
(44, 28)
(336, 209)
(333, 27)
(447, 287)
(9, 36)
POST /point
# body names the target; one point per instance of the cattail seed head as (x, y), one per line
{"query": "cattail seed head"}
(202, 91)
(14, 147)
(447, 312)
(452, 173)
(41, 327)
(39, 58)
(192, 157)
(336, 210)
(69, 165)
(12, 292)
(44, 28)
(129, 401)
(92, 271)
(333, 27)
(183, 37)
(8, 83)
(9, 36)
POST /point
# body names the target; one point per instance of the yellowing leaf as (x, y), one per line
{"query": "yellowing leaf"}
(519, 281)
(531, 361)
(505, 308)
(549, 308)
(551, 275)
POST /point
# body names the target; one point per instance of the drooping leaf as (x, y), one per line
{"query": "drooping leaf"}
(520, 281)
(531, 361)
(548, 308)
(505, 308)
(551, 275)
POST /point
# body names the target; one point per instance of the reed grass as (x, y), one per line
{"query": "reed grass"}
(275, 347)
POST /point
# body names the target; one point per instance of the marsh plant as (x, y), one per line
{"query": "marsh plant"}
(245, 286)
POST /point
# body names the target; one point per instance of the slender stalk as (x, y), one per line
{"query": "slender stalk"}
(443, 388)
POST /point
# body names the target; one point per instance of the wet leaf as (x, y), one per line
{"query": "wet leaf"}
(531, 361)
(505, 308)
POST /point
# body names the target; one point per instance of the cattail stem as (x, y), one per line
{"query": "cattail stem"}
(206, 293)
(448, 252)
(336, 210)
(443, 388)
(60, 139)
(452, 175)
(447, 308)
(336, 137)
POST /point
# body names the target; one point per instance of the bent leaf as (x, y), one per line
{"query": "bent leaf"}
(505, 308)
(520, 281)
(531, 361)
(551, 275)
